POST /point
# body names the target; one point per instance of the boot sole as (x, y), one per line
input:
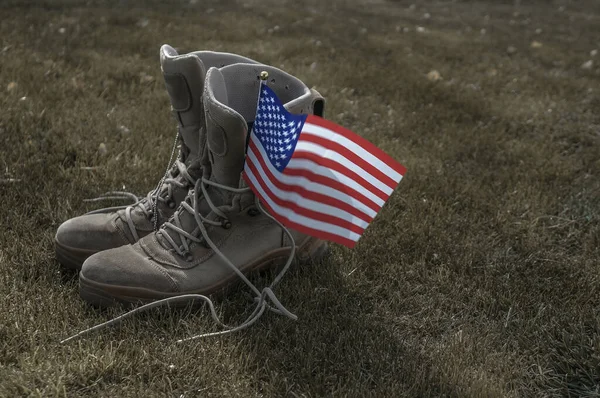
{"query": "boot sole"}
(104, 295)
(70, 257)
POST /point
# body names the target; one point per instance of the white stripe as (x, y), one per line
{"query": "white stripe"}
(331, 135)
(305, 164)
(313, 186)
(337, 157)
(298, 219)
(300, 200)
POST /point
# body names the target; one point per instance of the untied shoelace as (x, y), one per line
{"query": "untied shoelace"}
(174, 224)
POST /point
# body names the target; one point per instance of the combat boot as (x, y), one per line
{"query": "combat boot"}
(80, 237)
(220, 232)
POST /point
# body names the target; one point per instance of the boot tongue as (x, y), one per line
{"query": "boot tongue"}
(226, 130)
(184, 79)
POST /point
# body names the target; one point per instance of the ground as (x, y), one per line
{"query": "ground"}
(480, 276)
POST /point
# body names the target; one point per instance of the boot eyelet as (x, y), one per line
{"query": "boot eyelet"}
(252, 212)
(171, 204)
(188, 257)
(226, 224)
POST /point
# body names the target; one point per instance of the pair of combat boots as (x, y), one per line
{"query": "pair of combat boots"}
(202, 227)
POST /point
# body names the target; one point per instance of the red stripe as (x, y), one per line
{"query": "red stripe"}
(333, 165)
(331, 182)
(299, 209)
(335, 184)
(317, 233)
(317, 197)
(387, 159)
(348, 154)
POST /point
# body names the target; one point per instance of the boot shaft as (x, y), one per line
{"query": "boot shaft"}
(184, 77)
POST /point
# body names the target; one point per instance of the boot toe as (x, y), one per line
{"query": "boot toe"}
(80, 237)
(92, 232)
(124, 274)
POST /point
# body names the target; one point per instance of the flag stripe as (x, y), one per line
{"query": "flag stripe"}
(317, 233)
(331, 166)
(329, 139)
(300, 186)
(360, 141)
(334, 232)
(339, 162)
(271, 191)
(302, 168)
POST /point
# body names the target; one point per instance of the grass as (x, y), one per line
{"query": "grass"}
(479, 278)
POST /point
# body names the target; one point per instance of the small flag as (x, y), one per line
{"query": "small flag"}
(314, 176)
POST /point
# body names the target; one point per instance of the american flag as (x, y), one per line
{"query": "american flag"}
(314, 176)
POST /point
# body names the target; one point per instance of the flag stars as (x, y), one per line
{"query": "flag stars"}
(276, 129)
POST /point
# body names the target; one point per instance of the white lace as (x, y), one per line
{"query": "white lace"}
(175, 225)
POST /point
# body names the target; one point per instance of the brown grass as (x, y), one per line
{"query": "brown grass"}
(479, 278)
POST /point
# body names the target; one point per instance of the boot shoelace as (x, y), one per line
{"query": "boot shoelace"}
(149, 204)
(260, 296)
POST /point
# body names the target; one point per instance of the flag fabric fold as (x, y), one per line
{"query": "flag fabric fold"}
(315, 176)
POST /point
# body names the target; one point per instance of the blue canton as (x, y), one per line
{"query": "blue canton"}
(276, 128)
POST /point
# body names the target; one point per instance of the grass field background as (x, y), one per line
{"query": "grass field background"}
(480, 277)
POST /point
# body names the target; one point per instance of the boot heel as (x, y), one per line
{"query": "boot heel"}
(315, 251)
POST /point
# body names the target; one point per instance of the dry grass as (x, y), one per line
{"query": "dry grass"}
(479, 278)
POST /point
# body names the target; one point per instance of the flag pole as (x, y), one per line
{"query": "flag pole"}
(264, 75)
